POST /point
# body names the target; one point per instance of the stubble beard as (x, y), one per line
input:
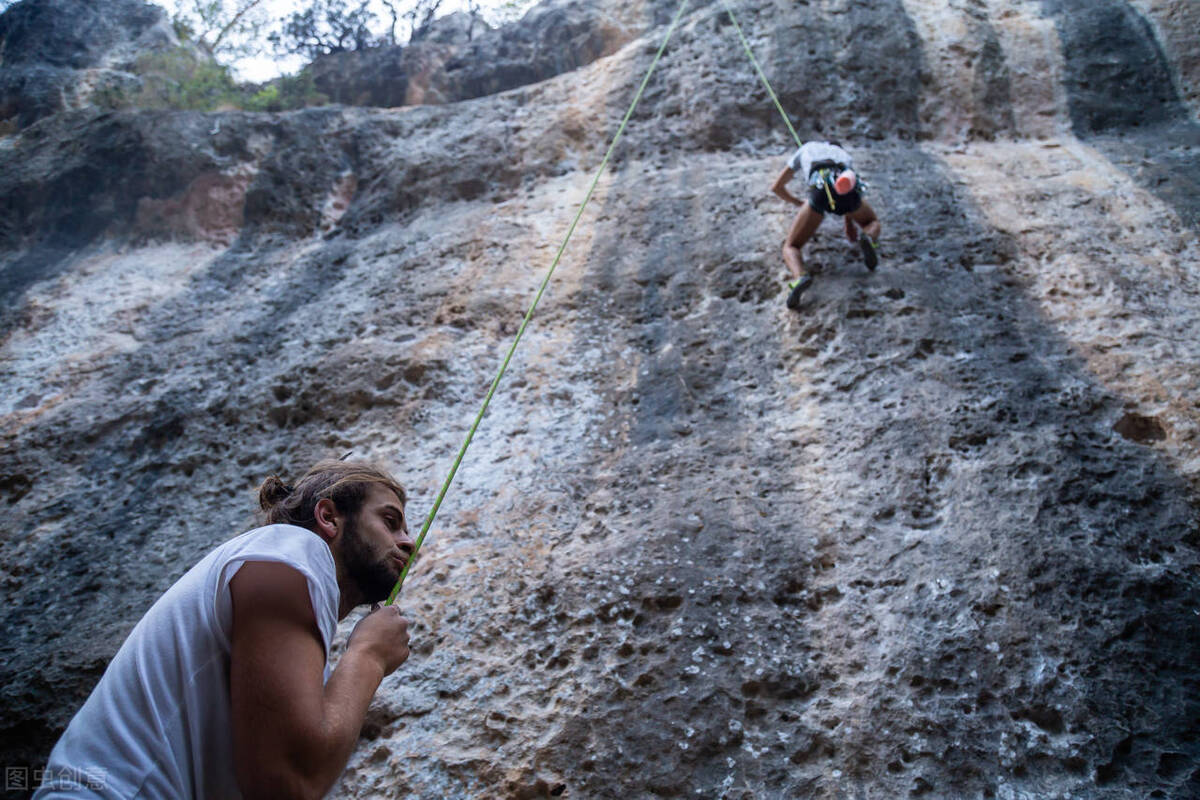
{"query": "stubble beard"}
(374, 576)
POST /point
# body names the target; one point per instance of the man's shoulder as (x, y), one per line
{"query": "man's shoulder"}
(289, 569)
(279, 542)
(283, 550)
(279, 532)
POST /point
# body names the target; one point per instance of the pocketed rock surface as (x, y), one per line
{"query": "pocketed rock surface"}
(61, 54)
(934, 535)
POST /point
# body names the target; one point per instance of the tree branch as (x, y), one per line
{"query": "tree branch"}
(236, 17)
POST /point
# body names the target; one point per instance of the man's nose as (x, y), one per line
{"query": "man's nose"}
(405, 542)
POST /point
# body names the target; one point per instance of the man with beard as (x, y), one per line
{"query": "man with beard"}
(224, 688)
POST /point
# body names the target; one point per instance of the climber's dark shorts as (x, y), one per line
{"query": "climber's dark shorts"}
(842, 203)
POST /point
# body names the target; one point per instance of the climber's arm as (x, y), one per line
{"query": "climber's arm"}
(780, 187)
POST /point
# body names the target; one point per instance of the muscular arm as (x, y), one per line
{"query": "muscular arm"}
(780, 187)
(292, 735)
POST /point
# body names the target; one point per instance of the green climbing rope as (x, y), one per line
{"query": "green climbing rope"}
(529, 314)
(762, 76)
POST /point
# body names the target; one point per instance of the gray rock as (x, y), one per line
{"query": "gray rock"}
(936, 535)
(55, 53)
(1111, 52)
(459, 58)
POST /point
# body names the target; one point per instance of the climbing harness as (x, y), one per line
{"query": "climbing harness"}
(529, 314)
(822, 178)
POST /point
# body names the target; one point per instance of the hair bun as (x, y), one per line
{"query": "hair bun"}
(273, 492)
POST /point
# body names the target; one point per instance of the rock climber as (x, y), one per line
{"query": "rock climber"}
(224, 687)
(832, 187)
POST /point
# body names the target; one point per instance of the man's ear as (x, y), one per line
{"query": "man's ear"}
(329, 521)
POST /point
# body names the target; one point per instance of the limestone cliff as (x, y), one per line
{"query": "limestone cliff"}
(936, 535)
(59, 54)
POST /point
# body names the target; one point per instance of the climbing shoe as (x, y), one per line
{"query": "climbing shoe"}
(869, 248)
(798, 287)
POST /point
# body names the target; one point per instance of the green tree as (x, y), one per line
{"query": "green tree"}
(325, 26)
(225, 29)
(175, 78)
(419, 15)
(286, 93)
(395, 9)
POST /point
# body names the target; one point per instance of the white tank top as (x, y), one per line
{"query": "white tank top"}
(814, 152)
(157, 725)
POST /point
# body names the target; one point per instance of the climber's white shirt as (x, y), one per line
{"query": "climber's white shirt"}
(812, 152)
(157, 724)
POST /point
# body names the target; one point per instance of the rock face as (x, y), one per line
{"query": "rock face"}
(936, 535)
(55, 54)
(457, 59)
